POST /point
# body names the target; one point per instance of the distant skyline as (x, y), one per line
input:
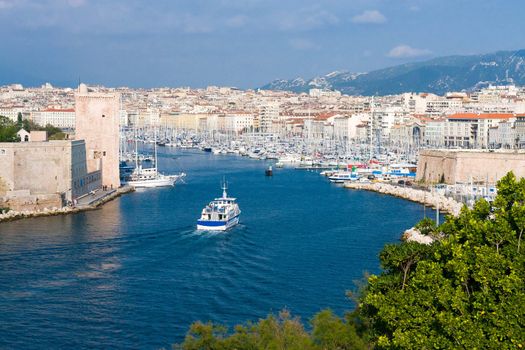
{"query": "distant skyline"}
(242, 43)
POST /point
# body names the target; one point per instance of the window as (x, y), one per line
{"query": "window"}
(103, 116)
(104, 153)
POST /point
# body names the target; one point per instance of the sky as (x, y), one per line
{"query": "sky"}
(242, 43)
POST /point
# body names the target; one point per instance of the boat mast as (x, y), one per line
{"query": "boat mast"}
(155, 147)
(136, 147)
(224, 188)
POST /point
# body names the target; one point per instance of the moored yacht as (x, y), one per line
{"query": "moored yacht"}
(151, 177)
(220, 214)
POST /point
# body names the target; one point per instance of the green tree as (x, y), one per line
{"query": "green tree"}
(282, 332)
(8, 130)
(464, 291)
(331, 332)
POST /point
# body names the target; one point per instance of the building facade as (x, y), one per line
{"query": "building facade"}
(60, 118)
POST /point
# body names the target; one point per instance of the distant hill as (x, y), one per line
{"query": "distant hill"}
(438, 75)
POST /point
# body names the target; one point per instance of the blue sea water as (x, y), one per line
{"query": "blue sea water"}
(135, 273)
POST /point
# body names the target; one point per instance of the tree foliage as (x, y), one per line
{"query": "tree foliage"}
(276, 332)
(8, 130)
(464, 291)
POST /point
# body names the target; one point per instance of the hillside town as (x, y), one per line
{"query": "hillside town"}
(491, 118)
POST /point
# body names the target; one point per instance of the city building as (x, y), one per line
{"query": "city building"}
(58, 117)
(469, 130)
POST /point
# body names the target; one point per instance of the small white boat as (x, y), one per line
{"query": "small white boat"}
(220, 214)
(342, 176)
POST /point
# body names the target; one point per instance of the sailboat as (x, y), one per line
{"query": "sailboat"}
(151, 177)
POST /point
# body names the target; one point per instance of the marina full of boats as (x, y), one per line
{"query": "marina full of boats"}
(339, 160)
(291, 150)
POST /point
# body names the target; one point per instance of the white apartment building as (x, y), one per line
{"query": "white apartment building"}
(58, 117)
(324, 93)
(417, 103)
(268, 113)
(503, 135)
(508, 134)
(382, 120)
(444, 105)
(345, 127)
(466, 130)
(238, 122)
(434, 133)
(320, 127)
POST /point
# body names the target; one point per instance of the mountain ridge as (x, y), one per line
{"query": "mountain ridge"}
(437, 75)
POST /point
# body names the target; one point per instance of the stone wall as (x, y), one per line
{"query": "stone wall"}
(464, 166)
(24, 201)
(40, 167)
(30, 172)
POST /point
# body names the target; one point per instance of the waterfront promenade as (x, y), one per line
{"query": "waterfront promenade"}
(88, 202)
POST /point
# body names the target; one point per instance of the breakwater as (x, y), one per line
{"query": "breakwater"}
(22, 214)
(433, 199)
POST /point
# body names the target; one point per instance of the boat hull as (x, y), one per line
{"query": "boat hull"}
(165, 182)
(210, 225)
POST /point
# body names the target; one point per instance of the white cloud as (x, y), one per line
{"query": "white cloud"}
(303, 44)
(370, 16)
(405, 51)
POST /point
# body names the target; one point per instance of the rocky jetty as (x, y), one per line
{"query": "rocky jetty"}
(414, 235)
(436, 200)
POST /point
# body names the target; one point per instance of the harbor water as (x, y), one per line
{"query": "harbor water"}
(135, 273)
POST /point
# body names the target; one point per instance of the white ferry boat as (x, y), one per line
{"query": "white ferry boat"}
(342, 176)
(220, 214)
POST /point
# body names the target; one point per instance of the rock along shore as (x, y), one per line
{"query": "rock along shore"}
(17, 215)
(445, 204)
